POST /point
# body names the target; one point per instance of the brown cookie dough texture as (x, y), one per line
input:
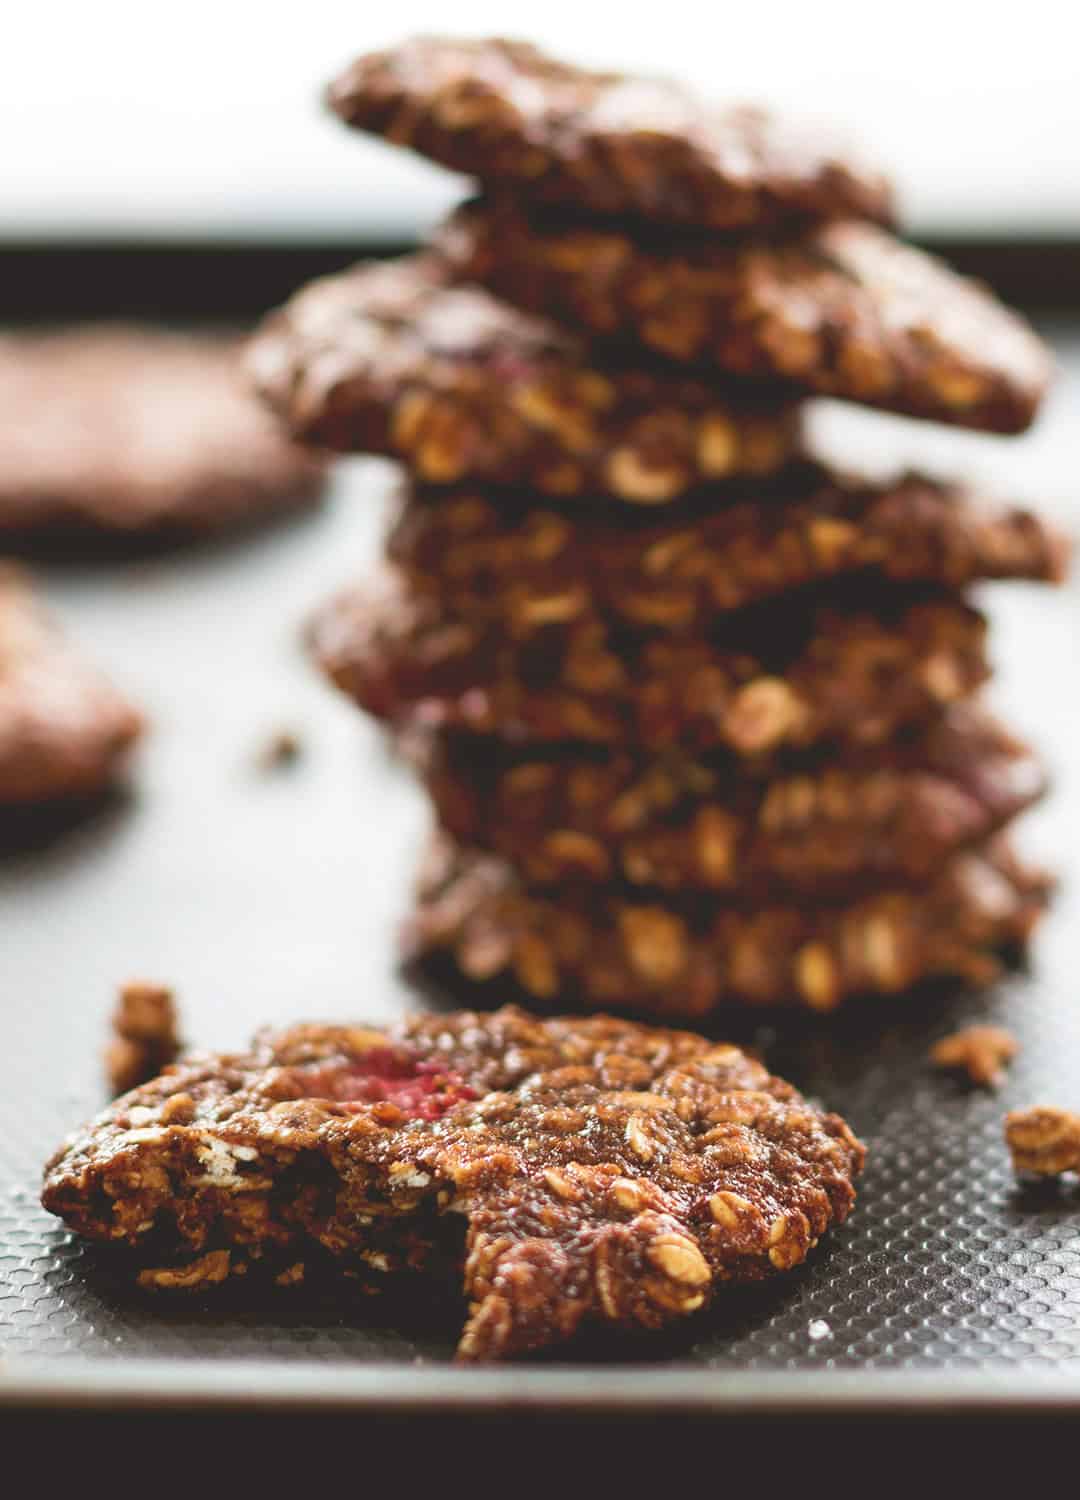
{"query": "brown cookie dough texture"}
(610, 947)
(527, 564)
(842, 309)
(603, 143)
(854, 672)
(678, 823)
(65, 731)
(570, 1171)
(125, 431)
(388, 359)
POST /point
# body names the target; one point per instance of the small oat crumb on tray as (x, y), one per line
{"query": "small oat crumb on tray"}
(1043, 1140)
(145, 1035)
(982, 1052)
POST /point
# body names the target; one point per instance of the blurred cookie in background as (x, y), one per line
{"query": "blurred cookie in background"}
(65, 730)
(115, 431)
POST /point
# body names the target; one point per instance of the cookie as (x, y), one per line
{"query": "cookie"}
(388, 359)
(843, 309)
(612, 947)
(606, 143)
(852, 669)
(893, 813)
(65, 731)
(126, 432)
(569, 1172)
(508, 558)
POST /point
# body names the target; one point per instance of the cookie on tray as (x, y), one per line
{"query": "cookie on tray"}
(605, 143)
(851, 668)
(123, 431)
(675, 822)
(527, 563)
(613, 947)
(842, 309)
(65, 731)
(570, 1172)
(386, 358)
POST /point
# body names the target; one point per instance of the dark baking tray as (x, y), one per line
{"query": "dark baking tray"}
(269, 895)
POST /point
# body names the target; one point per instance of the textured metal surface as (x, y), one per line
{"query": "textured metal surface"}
(271, 895)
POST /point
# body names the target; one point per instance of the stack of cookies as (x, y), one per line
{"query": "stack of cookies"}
(697, 712)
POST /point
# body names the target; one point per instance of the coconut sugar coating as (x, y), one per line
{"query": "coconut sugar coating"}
(596, 1171)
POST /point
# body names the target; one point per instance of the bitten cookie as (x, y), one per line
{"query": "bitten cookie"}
(387, 359)
(605, 143)
(569, 1172)
(613, 947)
(853, 670)
(673, 822)
(131, 432)
(843, 309)
(65, 731)
(503, 557)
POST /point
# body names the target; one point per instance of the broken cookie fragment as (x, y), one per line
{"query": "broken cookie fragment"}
(570, 1172)
(982, 1052)
(145, 1036)
(1043, 1140)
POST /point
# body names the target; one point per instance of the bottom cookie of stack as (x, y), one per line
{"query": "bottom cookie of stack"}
(620, 947)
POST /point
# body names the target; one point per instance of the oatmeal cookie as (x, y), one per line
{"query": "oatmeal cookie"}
(854, 670)
(614, 947)
(676, 822)
(606, 143)
(65, 731)
(573, 1171)
(527, 563)
(388, 359)
(843, 309)
(133, 432)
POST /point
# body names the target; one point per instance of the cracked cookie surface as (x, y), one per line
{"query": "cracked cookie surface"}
(505, 112)
(599, 1171)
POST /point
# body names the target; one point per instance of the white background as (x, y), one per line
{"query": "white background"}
(203, 119)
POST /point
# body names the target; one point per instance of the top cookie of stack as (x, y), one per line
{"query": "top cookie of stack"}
(708, 744)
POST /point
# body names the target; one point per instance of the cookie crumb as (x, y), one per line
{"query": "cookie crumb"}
(819, 1329)
(982, 1052)
(209, 1270)
(283, 748)
(1043, 1140)
(145, 1035)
